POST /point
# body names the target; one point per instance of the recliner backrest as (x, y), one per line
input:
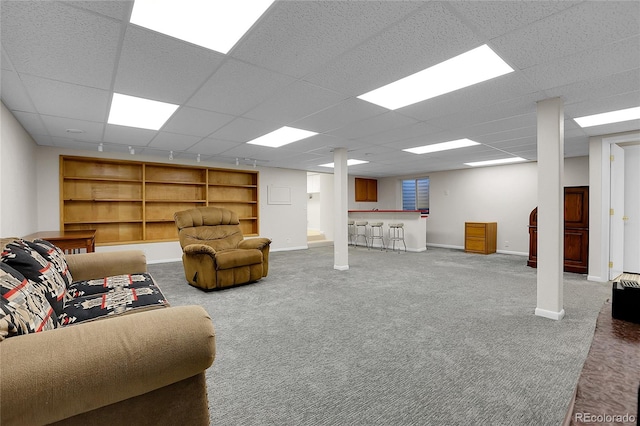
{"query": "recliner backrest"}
(216, 227)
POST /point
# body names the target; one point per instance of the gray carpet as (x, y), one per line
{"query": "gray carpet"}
(434, 338)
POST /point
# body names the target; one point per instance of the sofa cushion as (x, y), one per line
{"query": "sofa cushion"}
(104, 285)
(23, 308)
(54, 255)
(114, 302)
(37, 269)
(228, 259)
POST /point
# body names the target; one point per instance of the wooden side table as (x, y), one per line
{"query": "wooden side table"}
(69, 241)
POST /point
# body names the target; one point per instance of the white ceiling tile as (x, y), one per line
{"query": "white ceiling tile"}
(32, 123)
(196, 122)
(120, 9)
(61, 99)
(380, 123)
(324, 30)
(124, 135)
(428, 37)
(243, 130)
(295, 102)
(50, 40)
(495, 18)
(43, 140)
(611, 59)
(339, 115)
(580, 28)
(13, 93)
(237, 87)
(208, 146)
(155, 66)
(57, 126)
(611, 103)
(171, 141)
(624, 82)
(260, 153)
(5, 63)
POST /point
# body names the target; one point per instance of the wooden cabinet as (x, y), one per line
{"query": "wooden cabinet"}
(480, 237)
(366, 189)
(576, 231)
(127, 201)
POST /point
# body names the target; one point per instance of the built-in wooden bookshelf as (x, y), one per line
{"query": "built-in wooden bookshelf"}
(131, 201)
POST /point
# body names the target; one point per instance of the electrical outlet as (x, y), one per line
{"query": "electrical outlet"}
(506, 243)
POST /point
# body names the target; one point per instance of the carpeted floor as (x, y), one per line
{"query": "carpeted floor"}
(435, 338)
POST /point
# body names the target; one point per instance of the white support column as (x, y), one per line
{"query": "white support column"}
(340, 215)
(550, 208)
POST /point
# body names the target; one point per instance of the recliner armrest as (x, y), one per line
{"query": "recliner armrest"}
(199, 249)
(254, 243)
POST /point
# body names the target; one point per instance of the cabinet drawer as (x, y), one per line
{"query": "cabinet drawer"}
(474, 230)
(475, 244)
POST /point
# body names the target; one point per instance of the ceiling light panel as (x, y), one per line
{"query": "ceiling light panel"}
(609, 117)
(444, 146)
(216, 25)
(350, 162)
(143, 113)
(496, 162)
(283, 136)
(474, 66)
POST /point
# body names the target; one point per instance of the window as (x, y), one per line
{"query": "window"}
(415, 194)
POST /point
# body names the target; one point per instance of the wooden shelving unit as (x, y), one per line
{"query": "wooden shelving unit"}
(128, 201)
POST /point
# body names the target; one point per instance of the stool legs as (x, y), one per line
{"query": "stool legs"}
(361, 232)
(376, 233)
(396, 233)
(351, 233)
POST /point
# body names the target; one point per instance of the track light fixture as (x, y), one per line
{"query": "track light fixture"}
(132, 151)
(237, 161)
(170, 155)
(100, 147)
(198, 158)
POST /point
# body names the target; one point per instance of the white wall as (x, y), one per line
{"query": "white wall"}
(503, 194)
(18, 177)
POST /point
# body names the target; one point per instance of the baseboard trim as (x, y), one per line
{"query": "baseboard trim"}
(152, 262)
(289, 248)
(447, 246)
(597, 279)
(341, 267)
(550, 314)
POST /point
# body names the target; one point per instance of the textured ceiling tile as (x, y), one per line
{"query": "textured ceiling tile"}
(259, 153)
(50, 40)
(67, 100)
(611, 103)
(430, 36)
(624, 82)
(411, 131)
(32, 123)
(4, 61)
(603, 61)
(57, 126)
(586, 27)
(236, 87)
(323, 30)
(124, 135)
(243, 130)
(210, 146)
(380, 123)
(13, 93)
(339, 115)
(196, 122)
(172, 141)
(159, 67)
(295, 102)
(495, 18)
(117, 9)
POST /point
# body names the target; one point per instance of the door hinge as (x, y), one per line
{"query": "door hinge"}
(611, 213)
(610, 265)
(611, 158)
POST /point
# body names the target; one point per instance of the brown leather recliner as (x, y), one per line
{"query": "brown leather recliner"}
(214, 251)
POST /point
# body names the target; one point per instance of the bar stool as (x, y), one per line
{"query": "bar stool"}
(351, 232)
(396, 233)
(361, 226)
(376, 233)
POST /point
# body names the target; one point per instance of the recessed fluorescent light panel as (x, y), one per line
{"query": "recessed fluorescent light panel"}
(444, 146)
(139, 112)
(609, 117)
(350, 162)
(214, 24)
(496, 162)
(282, 136)
(474, 66)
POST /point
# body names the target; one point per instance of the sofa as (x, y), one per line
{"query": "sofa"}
(131, 359)
(215, 253)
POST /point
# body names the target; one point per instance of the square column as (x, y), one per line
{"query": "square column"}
(340, 213)
(550, 209)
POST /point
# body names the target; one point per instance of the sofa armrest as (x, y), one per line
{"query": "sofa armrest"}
(56, 374)
(199, 249)
(91, 266)
(254, 243)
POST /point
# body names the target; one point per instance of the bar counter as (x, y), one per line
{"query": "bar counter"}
(415, 225)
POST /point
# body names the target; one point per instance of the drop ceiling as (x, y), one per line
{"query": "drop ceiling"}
(304, 63)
